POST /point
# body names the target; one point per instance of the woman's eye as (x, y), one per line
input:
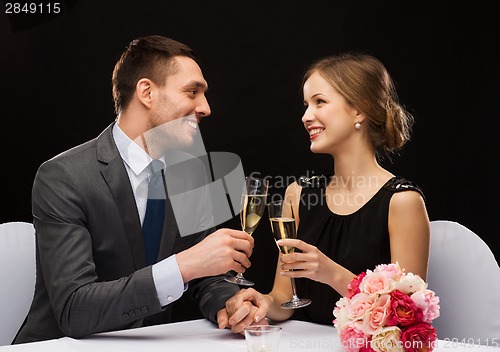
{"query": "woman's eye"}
(320, 101)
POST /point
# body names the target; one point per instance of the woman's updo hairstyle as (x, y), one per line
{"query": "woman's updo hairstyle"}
(367, 86)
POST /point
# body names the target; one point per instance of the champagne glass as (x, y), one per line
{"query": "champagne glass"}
(253, 204)
(283, 226)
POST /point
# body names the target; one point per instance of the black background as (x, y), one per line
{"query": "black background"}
(56, 79)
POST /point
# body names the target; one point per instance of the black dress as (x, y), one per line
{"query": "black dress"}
(357, 241)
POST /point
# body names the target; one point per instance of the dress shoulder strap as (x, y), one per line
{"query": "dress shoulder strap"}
(400, 184)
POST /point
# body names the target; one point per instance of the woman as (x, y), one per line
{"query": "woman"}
(362, 215)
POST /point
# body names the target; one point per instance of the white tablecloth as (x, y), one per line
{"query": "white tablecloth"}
(203, 336)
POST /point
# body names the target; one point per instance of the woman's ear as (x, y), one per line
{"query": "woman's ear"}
(144, 92)
(360, 117)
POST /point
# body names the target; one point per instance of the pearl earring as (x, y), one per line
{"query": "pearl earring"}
(357, 125)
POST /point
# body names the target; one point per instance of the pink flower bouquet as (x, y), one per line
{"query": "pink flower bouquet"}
(387, 310)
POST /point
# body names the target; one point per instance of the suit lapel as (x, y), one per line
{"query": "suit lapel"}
(114, 172)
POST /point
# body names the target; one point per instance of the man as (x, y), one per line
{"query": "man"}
(90, 211)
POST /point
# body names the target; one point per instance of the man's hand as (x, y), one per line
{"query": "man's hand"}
(220, 252)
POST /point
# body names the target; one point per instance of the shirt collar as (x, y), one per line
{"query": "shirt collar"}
(134, 156)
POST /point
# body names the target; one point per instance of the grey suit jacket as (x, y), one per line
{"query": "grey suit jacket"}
(91, 274)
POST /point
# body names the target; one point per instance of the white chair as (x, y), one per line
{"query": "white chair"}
(17, 276)
(464, 274)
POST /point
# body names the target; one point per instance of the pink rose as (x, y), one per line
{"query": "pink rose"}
(377, 282)
(428, 302)
(402, 310)
(353, 286)
(352, 339)
(420, 337)
(360, 305)
(393, 269)
(376, 319)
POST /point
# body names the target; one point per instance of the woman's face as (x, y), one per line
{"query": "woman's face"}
(328, 119)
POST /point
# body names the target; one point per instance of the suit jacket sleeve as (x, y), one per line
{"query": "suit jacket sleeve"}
(212, 294)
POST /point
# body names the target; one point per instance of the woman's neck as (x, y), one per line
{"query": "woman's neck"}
(357, 171)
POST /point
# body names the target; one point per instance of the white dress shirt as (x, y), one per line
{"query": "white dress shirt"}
(166, 274)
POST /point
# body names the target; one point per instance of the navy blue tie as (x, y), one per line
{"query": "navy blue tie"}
(152, 226)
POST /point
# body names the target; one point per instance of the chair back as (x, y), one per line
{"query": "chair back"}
(464, 274)
(17, 276)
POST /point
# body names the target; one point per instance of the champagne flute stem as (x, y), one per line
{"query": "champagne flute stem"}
(294, 294)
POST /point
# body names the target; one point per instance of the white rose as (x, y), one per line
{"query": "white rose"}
(388, 340)
(341, 313)
(411, 283)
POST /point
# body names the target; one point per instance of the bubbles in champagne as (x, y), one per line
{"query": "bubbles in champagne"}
(253, 208)
(284, 228)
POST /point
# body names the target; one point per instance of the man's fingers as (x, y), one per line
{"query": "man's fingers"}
(222, 319)
(242, 259)
(242, 241)
(239, 235)
(243, 246)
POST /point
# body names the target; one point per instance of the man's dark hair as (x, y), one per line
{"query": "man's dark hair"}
(149, 57)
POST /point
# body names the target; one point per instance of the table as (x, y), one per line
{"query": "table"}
(203, 336)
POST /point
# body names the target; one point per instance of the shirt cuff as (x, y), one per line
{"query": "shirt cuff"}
(168, 280)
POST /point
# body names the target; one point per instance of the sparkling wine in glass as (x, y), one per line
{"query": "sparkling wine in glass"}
(283, 226)
(253, 204)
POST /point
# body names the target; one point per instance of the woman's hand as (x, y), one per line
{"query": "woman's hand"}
(311, 263)
(247, 307)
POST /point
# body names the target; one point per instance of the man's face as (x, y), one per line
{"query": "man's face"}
(179, 106)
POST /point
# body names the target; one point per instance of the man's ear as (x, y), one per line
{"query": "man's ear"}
(144, 92)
